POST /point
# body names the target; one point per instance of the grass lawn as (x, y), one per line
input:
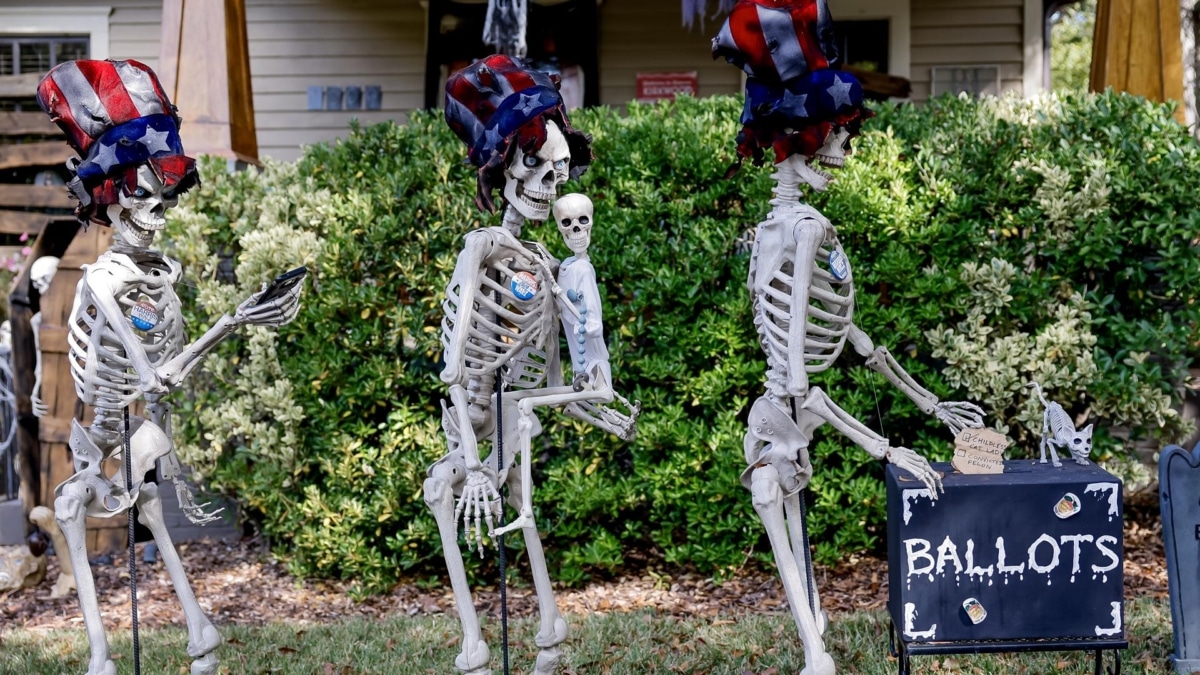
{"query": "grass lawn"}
(614, 643)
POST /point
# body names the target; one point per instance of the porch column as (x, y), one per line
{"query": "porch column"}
(1137, 49)
(204, 67)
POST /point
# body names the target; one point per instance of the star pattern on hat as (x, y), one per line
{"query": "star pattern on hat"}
(839, 91)
(155, 141)
(528, 103)
(106, 159)
(799, 102)
(493, 137)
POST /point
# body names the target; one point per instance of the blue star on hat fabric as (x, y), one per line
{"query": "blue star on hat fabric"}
(794, 94)
(130, 143)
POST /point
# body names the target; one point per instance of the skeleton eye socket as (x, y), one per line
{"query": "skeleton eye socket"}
(141, 192)
(566, 222)
(530, 161)
(560, 164)
(1077, 441)
(584, 220)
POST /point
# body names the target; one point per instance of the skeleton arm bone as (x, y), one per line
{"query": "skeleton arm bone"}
(808, 235)
(273, 313)
(954, 414)
(35, 397)
(544, 397)
(877, 446)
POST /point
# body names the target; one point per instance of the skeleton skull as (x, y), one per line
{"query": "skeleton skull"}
(833, 154)
(573, 213)
(42, 272)
(531, 181)
(139, 214)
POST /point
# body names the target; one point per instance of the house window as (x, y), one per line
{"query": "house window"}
(36, 55)
(874, 27)
(973, 80)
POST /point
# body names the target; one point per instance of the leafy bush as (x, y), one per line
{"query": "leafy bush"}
(992, 242)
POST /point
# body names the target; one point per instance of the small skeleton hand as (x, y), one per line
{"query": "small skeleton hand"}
(479, 504)
(273, 313)
(187, 503)
(918, 466)
(959, 415)
(620, 424)
(40, 409)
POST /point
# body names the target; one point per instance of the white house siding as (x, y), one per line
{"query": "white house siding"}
(645, 36)
(967, 33)
(295, 44)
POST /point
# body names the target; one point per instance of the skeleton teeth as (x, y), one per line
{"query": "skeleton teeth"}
(828, 160)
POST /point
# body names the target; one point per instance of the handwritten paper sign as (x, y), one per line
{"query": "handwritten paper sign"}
(979, 451)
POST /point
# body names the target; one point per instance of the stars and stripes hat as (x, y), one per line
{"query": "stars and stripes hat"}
(795, 95)
(116, 116)
(498, 100)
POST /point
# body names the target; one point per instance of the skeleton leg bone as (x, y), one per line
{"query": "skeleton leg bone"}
(439, 495)
(553, 630)
(70, 511)
(794, 516)
(768, 502)
(203, 638)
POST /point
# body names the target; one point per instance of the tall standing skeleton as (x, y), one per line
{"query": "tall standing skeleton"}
(502, 312)
(126, 341)
(802, 287)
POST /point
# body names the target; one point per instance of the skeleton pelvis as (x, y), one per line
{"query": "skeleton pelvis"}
(773, 437)
(109, 496)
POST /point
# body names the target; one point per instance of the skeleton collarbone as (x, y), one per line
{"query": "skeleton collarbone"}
(106, 348)
(784, 241)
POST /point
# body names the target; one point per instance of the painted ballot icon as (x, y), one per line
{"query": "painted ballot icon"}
(1020, 555)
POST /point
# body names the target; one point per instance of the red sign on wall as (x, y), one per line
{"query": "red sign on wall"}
(655, 86)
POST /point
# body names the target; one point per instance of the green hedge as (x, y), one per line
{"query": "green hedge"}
(992, 242)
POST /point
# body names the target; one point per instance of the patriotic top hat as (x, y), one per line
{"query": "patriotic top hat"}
(794, 94)
(498, 100)
(116, 116)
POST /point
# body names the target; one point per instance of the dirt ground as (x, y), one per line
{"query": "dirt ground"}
(241, 583)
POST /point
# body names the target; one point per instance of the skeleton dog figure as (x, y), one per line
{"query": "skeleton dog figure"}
(126, 341)
(802, 286)
(502, 310)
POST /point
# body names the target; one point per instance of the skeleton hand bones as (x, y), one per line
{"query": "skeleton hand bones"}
(918, 466)
(479, 504)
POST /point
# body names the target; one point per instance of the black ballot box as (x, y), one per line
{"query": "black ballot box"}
(1034, 553)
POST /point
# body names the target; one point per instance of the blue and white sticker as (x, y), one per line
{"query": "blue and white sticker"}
(838, 265)
(144, 316)
(524, 285)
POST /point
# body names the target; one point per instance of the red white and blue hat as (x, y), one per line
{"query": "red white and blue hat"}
(794, 93)
(497, 100)
(117, 117)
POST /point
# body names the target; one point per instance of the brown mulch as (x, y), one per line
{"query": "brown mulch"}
(240, 582)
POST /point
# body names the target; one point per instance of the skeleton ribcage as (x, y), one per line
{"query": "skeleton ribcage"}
(502, 329)
(829, 312)
(102, 370)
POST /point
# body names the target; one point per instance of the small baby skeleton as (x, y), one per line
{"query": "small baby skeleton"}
(41, 273)
(1058, 431)
(502, 311)
(126, 340)
(802, 287)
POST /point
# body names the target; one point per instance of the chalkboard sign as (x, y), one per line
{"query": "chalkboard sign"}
(1031, 553)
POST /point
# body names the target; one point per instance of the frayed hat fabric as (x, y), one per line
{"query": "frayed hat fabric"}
(794, 94)
(116, 115)
(497, 101)
(778, 40)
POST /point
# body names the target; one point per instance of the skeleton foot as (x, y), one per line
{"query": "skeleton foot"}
(206, 665)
